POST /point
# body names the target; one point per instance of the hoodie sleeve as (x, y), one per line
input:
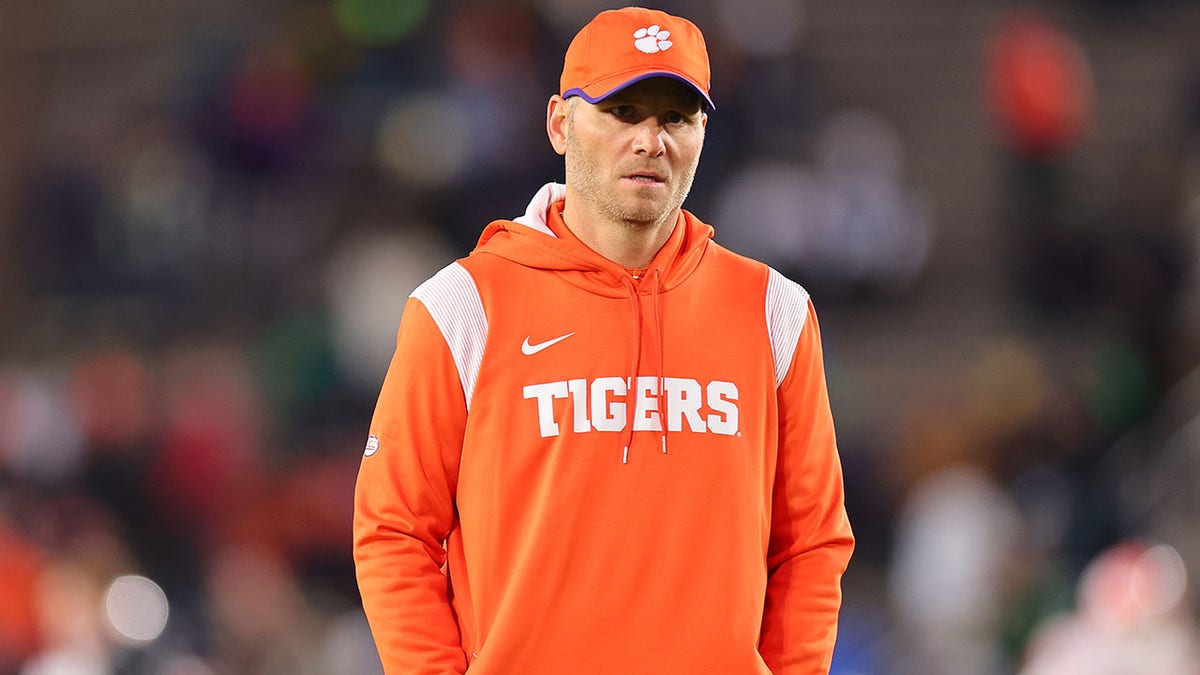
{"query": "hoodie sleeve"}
(404, 502)
(811, 540)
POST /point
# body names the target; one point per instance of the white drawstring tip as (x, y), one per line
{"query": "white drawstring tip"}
(625, 456)
(664, 440)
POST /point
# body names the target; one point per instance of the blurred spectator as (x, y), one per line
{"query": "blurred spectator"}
(69, 624)
(367, 282)
(849, 224)
(37, 442)
(20, 564)
(265, 626)
(1040, 97)
(1129, 620)
(956, 539)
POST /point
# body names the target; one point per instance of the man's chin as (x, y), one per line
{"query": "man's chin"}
(643, 218)
(645, 211)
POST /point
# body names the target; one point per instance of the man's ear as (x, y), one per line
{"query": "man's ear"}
(556, 123)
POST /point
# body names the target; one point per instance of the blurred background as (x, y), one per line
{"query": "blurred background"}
(211, 214)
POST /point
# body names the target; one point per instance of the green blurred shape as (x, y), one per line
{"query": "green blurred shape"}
(1123, 394)
(294, 363)
(379, 22)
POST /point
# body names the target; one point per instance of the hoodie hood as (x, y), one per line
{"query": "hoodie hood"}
(528, 240)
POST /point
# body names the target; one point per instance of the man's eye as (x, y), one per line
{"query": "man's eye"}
(622, 110)
(675, 118)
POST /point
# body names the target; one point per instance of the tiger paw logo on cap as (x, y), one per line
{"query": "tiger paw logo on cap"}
(652, 39)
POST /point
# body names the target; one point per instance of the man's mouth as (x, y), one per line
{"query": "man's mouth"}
(648, 177)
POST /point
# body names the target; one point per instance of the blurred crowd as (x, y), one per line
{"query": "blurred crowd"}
(217, 221)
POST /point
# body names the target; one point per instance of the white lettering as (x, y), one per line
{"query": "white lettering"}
(579, 400)
(722, 397)
(645, 415)
(545, 394)
(683, 399)
(610, 403)
(608, 416)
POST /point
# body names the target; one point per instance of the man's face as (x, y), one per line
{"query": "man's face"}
(632, 157)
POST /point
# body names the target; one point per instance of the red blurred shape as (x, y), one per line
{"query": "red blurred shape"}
(1039, 85)
(270, 94)
(210, 462)
(19, 570)
(111, 394)
(487, 44)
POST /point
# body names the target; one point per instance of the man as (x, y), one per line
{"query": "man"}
(604, 443)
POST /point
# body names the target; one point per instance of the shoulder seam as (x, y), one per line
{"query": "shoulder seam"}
(452, 299)
(786, 313)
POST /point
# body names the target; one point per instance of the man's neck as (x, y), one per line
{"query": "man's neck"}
(631, 246)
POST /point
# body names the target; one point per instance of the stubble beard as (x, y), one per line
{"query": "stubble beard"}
(586, 179)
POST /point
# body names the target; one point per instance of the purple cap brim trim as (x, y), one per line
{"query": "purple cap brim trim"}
(596, 99)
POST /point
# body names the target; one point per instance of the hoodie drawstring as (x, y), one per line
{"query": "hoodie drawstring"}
(662, 394)
(631, 381)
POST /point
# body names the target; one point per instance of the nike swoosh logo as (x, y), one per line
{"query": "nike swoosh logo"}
(529, 350)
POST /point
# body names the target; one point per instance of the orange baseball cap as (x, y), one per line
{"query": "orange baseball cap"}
(623, 46)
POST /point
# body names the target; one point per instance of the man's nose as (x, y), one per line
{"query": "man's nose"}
(648, 139)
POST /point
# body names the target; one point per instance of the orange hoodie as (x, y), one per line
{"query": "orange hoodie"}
(573, 470)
